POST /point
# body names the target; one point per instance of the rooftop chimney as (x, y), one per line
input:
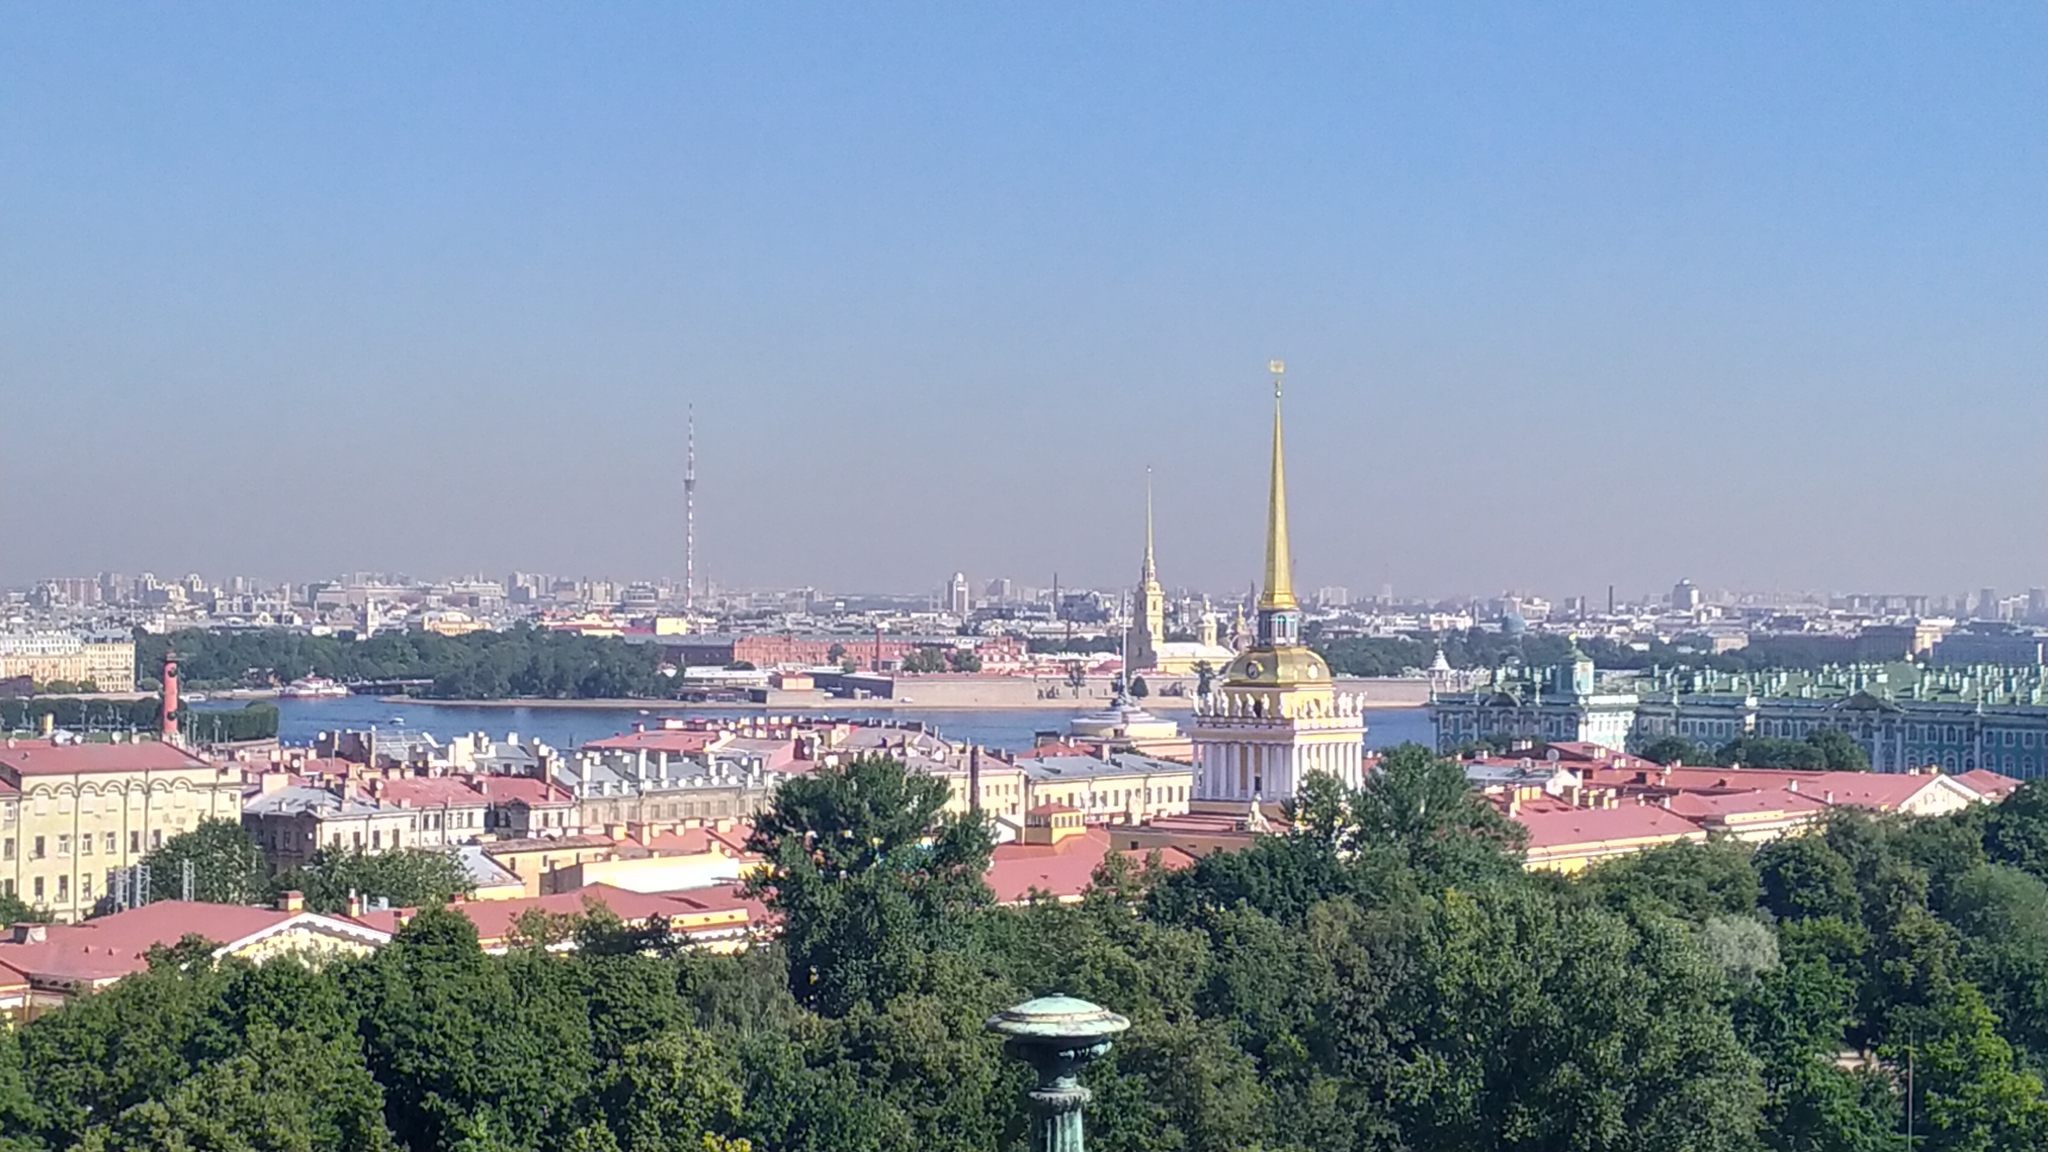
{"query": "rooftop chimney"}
(291, 902)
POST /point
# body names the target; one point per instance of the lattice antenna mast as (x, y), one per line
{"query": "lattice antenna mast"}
(690, 513)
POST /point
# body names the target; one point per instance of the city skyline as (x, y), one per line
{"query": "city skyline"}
(1568, 300)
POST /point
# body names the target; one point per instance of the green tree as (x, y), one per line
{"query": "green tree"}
(871, 876)
(1770, 752)
(1420, 807)
(406, 877)
(665, 1093)
(1140, 689)
(1805, 877)
(1672, 750)
(1839, 751)
(13, 910)
(1689, 880)
(228, 866)
(1968, 1095)
(2016, 833)
(1542, 1023)
(462, 1051)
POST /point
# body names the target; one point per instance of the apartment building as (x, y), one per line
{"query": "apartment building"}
(73, 815)
(108, 663)
(1120, 788)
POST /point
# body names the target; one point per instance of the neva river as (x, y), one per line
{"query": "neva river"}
(1010, 729)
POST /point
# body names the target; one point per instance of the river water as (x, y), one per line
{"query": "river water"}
(1010, 729)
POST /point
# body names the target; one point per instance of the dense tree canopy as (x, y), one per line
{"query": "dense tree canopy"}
(1822, 750)
(226, 864)
(1383, 977)
(405, 878)
(519, 662)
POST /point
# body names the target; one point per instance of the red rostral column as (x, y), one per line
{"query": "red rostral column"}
(168, 724)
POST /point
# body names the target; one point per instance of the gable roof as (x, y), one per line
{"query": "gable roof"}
(424, 792)
(725, 909)
(672, 740)
(1561, 825)
(1063, 870)
(43, 758)
(104, 949)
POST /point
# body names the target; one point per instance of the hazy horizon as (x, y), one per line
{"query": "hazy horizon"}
(1568, 297)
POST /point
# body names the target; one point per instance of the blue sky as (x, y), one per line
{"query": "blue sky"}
(1571, 295)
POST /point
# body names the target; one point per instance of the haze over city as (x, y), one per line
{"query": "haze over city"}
(1569, 298)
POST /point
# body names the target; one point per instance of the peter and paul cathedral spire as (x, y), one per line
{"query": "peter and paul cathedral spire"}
(1151, 606)
(1151, 575)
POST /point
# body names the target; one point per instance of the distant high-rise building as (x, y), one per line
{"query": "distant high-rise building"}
(1987, 604)
(1333, 596)
(2037, 605)
(690, 512)
(1000, 590)
(959, 596)
(1685, 597)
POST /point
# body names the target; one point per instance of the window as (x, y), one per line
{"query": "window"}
(156, 839)
(113, 844)
(134, 843)
(85, 844)
(38, 889)
(40, 850)
(63, 888)
(7, 848)
(63, 846)
(377, 838)
(7, 886)
(85, 886)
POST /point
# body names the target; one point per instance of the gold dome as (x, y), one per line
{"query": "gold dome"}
(1273, 667)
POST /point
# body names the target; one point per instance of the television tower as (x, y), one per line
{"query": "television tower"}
(690, 513)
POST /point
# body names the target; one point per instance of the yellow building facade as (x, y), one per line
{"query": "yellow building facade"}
(73, 816)
(46, 657)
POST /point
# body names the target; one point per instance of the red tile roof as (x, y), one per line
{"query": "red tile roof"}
(1990, 785)
(671, 740)
(1706, 805)
(423, 792)
(1063, 749)
(1064, 869)
(524, 789)
(42, 758)
(697, 841)
(495, 920)
(115, 945)
(1556, 825)
(1882, 790)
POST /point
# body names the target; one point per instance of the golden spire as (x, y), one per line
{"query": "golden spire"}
(1279, 562)
(1151, 569)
